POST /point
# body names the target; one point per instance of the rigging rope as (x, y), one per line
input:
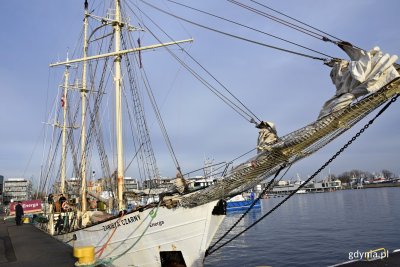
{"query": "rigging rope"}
(230, 162)
(281, 13)
(94, 128)
(366, 126)
(291, 25)
(225, 165)
(236, 36)
(156, 109)
(51, 161)
(144, 137)
(243, 111)
(283, 22)
(203, 168)
(251, 28)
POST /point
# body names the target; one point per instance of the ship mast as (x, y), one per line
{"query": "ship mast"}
(83, 119)
(64, 128)
(118, 109)
(117, 54)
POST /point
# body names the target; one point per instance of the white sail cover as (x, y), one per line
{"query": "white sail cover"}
(365, 73)
(267, 136)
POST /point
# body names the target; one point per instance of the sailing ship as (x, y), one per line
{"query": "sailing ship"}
(179, 225)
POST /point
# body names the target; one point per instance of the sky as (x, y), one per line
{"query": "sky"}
(286, 89)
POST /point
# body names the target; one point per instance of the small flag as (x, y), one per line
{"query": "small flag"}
(62, 101)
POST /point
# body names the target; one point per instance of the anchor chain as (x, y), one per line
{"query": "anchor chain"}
(366, 126)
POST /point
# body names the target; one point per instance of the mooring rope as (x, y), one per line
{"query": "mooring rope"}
(106, 261)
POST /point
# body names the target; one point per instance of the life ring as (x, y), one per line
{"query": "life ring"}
(65, 206)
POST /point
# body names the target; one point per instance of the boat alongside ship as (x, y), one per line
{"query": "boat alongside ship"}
(240, 203)
(176, 225)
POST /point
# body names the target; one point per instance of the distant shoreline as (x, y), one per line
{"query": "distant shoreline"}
(380, 185)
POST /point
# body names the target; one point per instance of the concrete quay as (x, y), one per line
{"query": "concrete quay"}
(25, 245)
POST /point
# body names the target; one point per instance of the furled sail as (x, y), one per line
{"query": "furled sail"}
(365, 73)
(305, 141)
(267, 135)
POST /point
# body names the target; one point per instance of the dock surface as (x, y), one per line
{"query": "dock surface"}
(25, 245)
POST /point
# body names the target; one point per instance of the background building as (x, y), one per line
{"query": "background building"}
(1, 184)
(1, 188)
(73, 187)
(157, 183)
(130, 184)
(17, 189)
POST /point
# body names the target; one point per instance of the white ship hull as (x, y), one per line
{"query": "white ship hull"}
(188, 230)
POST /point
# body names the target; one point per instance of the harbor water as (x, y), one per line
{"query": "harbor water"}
(319, 229)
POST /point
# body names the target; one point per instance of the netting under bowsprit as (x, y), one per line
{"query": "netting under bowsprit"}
(291, 148)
